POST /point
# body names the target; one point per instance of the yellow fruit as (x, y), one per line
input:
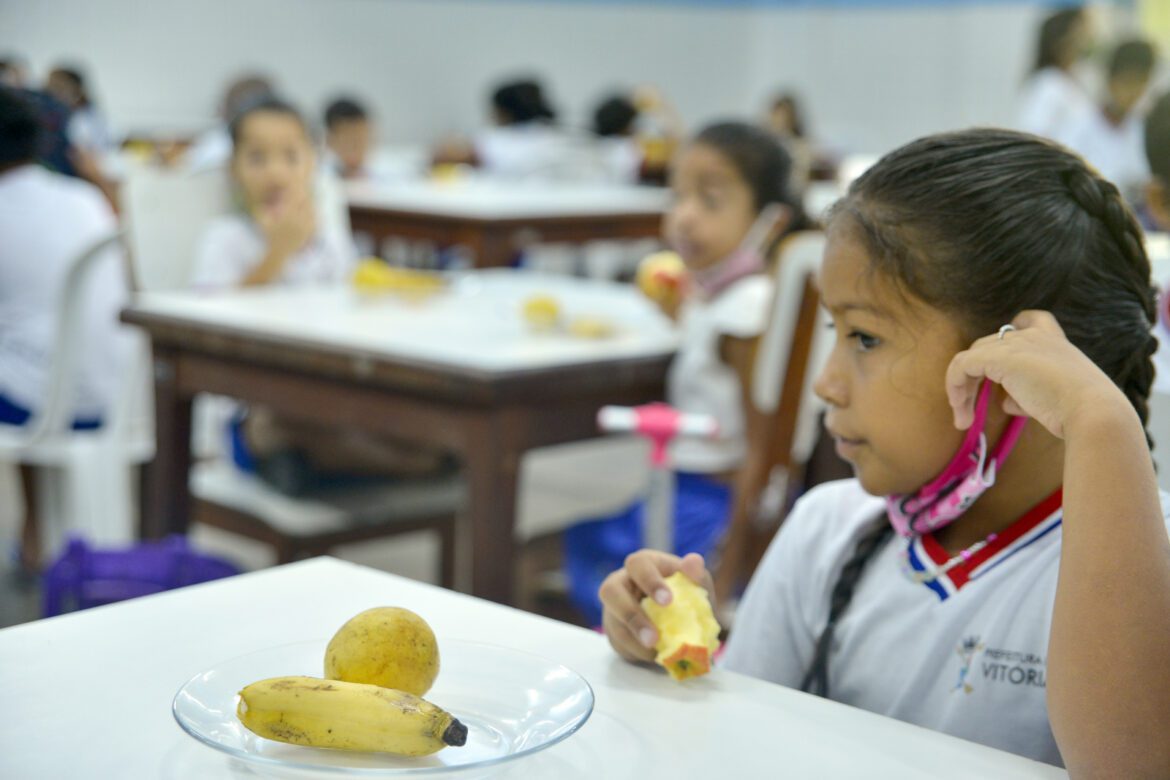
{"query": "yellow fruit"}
(374, 275)
(346, 716)
(688, 634)
(661, 276)
(542, 312)
(387, 646)
(591, 328)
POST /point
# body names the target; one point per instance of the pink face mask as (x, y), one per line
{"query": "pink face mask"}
(746, 260)
(969, 474)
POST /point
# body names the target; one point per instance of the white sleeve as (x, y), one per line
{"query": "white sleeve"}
(772, 638)
(742, 311)
(222, 256)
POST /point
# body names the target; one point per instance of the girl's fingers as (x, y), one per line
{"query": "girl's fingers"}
(622, 601)
(647, 570)
(624, 641)
(695, 569)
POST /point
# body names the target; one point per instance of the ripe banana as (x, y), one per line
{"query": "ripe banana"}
(347, 716)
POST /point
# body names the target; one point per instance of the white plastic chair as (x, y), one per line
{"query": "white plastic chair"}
(83, 476)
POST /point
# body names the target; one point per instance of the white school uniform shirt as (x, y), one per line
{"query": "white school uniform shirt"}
(46, 221)
(1117, 151)
(1051, 101)
(699, 382)
(965, 655)
(232, 245)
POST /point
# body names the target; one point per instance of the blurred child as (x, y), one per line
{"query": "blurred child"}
(47, 221)
(1052, 97)
(999, 569)
(614, 122)
(525, 141)
(1110, 137)
(13, 72)
(348, 136)
(213, 149)
(88, 129)
(732, 204)
(786, 120)
(275, 239)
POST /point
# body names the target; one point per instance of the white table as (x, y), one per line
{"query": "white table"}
(459, 371)
(489, 216)
(89, 695)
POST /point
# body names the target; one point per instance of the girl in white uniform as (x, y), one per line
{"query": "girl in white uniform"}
(992, 306)
(732, 202)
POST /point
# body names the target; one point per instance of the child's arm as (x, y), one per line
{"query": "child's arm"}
(1109, 650)
(287, 228)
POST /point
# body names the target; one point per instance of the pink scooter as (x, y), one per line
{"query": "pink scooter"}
(660, 423)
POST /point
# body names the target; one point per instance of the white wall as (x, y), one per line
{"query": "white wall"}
(872, 77)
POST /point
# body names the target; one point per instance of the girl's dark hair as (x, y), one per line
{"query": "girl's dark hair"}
(986, 224)
(20, 128)
(762, 162)
(615, 116)
(522, 102)
(266, 104)
(1054, 34)
(816, 679)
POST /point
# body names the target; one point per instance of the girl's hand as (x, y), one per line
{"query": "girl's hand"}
(628, 628)
(288, 225)
(1044, 375)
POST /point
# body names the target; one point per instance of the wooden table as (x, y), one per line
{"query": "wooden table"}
(489, 217)
(460, 371)
(89, 695)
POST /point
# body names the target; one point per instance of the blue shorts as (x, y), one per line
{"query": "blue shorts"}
(14, 414)
(593, 549)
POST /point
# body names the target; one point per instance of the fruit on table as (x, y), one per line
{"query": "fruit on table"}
(387, 646)
(374, 275)
(346, 716)
(662, 276)
(688, 634)
(591, 328)
(542, 312)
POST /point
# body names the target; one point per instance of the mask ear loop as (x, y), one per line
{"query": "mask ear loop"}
(960, 464)
(748, 256)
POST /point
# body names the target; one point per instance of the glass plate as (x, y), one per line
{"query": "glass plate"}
(512, 703)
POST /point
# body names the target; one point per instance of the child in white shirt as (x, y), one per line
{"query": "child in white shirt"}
(47, 220)
(1000, 568)
(275, 239)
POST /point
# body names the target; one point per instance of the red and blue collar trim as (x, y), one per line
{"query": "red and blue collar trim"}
(1036, 524)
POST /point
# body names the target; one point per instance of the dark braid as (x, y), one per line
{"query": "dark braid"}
(1101, 200)
(816, 679)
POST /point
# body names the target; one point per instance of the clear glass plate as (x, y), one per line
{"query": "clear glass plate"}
(513, 704)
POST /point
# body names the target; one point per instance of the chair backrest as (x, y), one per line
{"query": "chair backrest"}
(790, 354)
(55, 415)
(165, 211)
(799, 260)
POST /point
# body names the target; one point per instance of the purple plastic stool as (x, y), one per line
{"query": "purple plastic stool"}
(83, 577)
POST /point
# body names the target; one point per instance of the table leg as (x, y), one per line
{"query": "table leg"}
(167, 505)
(492, 459)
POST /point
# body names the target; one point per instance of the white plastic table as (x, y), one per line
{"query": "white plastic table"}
(460, 371)
(89, 695)
(489, 216)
